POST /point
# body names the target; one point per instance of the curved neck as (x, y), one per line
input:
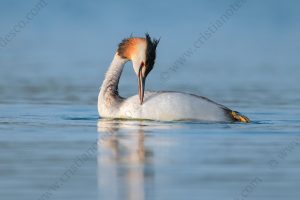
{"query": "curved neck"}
(112, 77)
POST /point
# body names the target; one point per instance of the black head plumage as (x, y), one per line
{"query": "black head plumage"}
(150, 52)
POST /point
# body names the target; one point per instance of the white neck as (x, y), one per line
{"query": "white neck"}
(112, 77)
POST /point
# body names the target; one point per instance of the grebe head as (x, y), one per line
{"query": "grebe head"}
(142, 53)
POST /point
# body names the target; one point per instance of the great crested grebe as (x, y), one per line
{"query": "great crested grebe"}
(162, 105)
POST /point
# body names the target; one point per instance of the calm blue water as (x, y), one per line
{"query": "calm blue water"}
(65, 152)
(54, 146)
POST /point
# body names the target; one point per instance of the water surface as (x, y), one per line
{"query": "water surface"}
(65, 151)
(53, 145)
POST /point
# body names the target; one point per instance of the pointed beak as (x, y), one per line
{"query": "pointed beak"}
(141, 86)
